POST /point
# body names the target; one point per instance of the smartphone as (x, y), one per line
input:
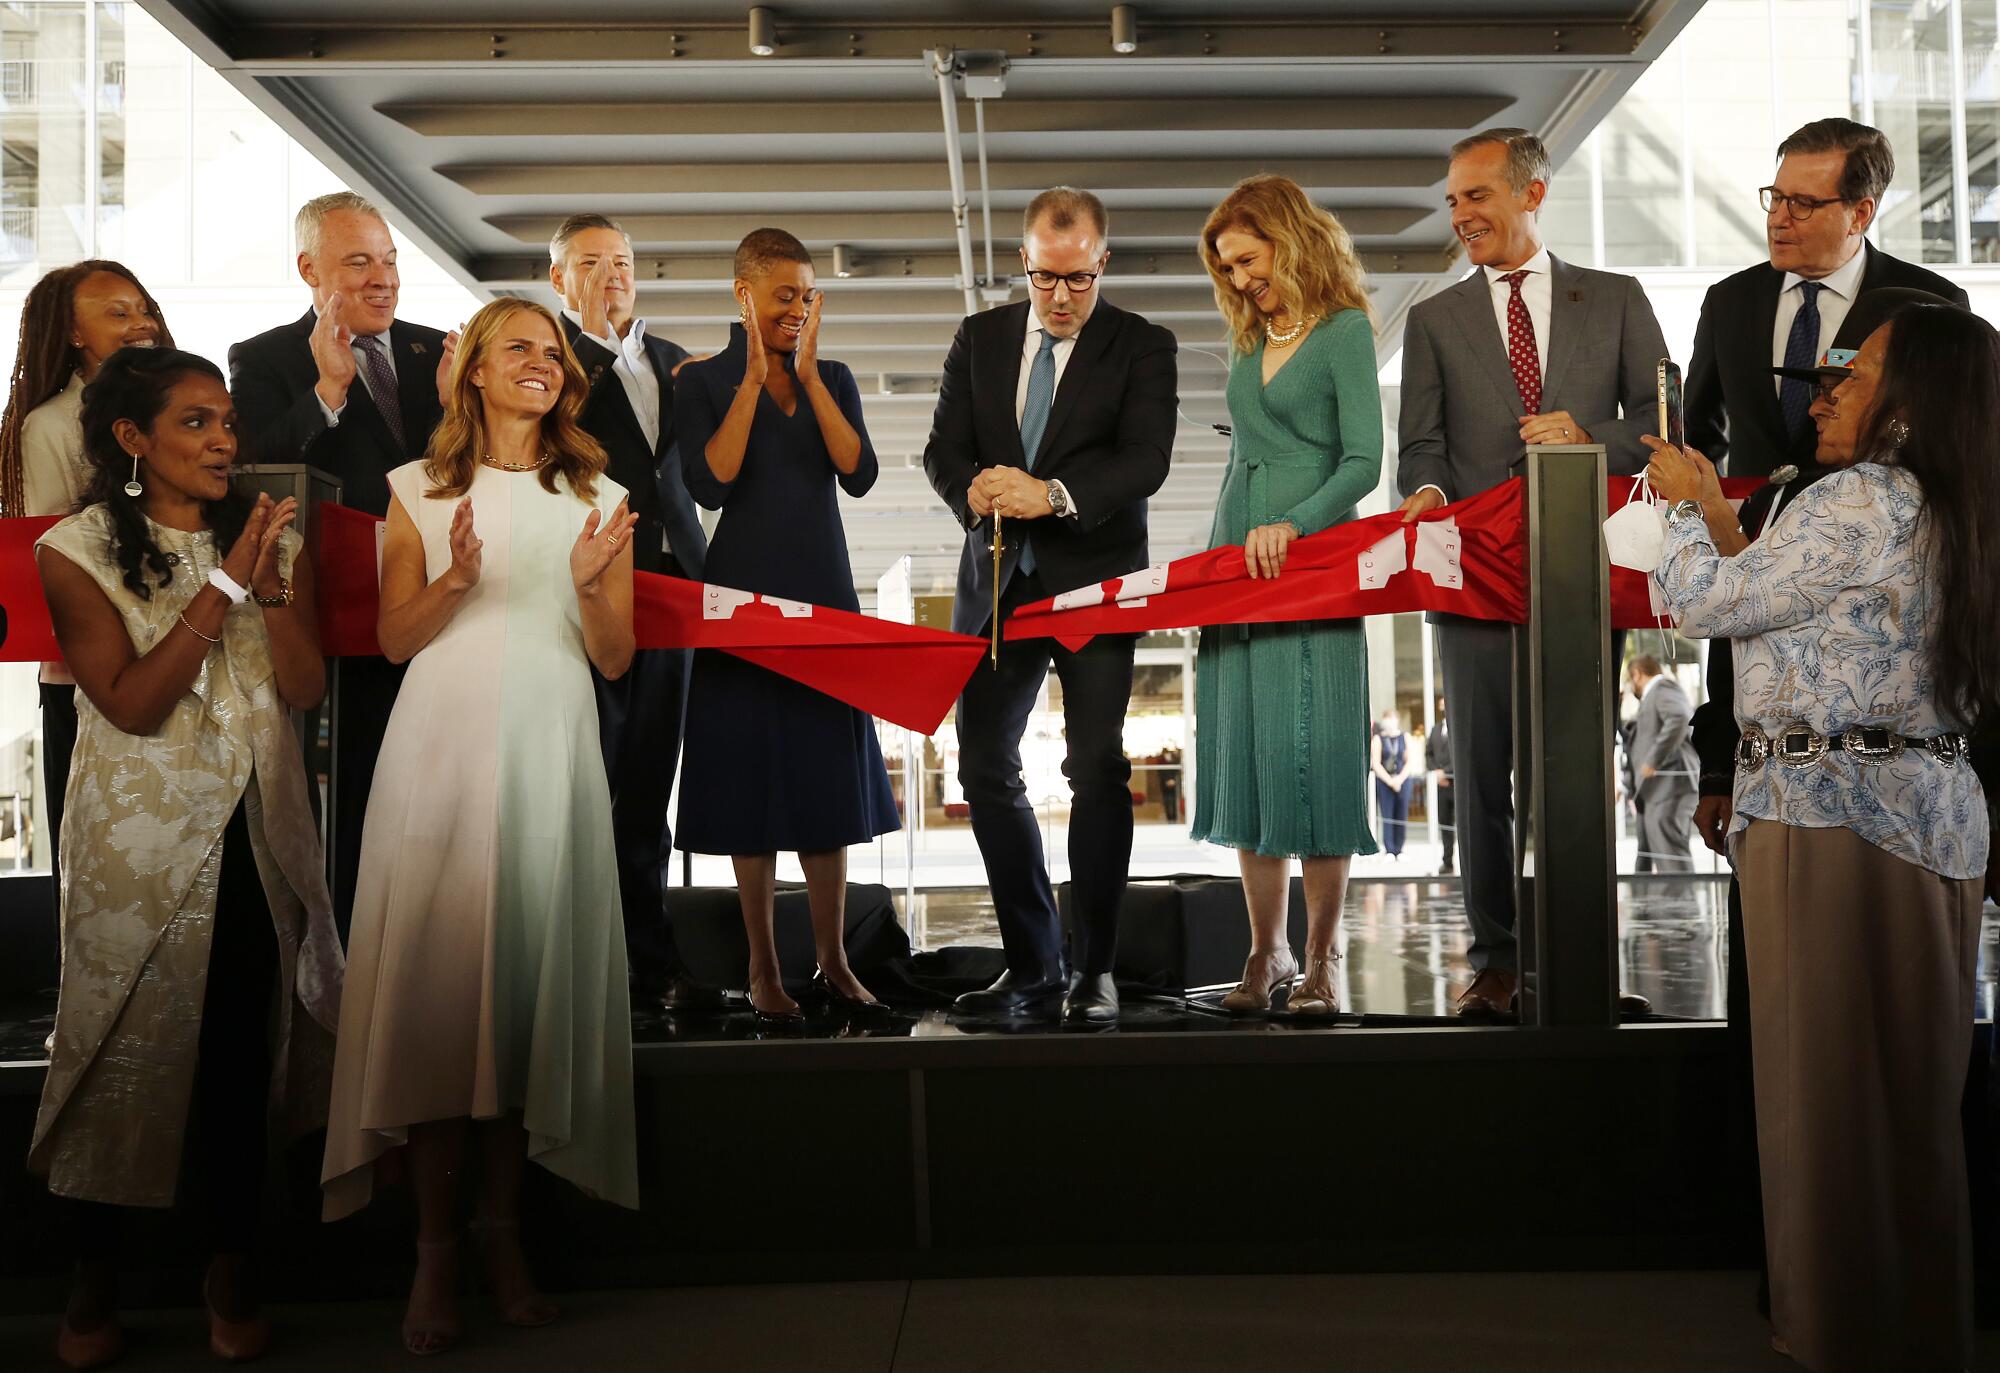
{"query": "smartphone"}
(1673, 422)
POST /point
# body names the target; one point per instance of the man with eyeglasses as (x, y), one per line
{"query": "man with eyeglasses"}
(1785, 312)
(1056, 415)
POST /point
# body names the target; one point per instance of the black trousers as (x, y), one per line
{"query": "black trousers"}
(639, 719)
(1447, 817)
(223, 1147)
(58, 743)
(368, 688)
(992, 714)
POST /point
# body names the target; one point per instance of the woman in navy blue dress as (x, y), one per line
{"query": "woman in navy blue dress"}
(766, 430)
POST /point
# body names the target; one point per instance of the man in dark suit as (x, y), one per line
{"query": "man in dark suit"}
(1437, 758)
(1663, 767)
(1786, 311)
(352, 390)
(639, 716)
(1526, 350)
(1056, 414)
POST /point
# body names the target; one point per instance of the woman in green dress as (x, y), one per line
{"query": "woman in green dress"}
(1281, 711)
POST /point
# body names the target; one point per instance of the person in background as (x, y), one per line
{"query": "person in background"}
(1278, 708)
(1437, 757)
(201, 971)
(1663, 766)
(771, 435)
(350, 389)
(1528, 349)
(631, 412)
(488, 1006)
(1390, 760)
(73, 319)
(1861, 620)
(1784, 312)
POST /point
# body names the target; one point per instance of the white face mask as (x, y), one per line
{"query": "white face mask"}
(1636, 536)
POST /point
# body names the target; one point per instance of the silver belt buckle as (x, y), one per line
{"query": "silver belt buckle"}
(1949, 749)
(1798, 746)
(1856, 742)
(1753, 748)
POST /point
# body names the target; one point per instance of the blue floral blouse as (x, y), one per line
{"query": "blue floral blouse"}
(1834, 615)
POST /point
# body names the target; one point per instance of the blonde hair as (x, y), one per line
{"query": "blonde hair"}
(456, 444)
(1314, 268)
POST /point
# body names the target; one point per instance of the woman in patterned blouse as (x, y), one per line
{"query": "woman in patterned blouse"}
(1862, 652)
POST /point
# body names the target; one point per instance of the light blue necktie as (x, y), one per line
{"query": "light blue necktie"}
(1035, 417)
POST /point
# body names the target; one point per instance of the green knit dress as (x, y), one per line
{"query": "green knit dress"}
(1281, 710)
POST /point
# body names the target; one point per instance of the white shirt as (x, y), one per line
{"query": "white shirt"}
(1842, 286)
(54, 471)
(1537, 292)
(634, 369)
(1031, 344)
(331, 415)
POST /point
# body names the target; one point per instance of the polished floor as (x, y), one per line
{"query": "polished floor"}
(1404, 941)
(1372, 1323)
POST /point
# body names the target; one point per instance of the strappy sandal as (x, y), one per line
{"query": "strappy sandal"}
(520, 1304)
(433, 1336)
(1316, 996)
(1267, 974)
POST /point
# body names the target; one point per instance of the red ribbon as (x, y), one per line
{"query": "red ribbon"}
(1466, 559)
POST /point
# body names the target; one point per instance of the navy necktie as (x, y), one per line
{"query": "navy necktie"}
(1035, 417)
(1795, 397)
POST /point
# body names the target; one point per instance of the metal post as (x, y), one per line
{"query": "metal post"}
(944, 67)
(1569, 921)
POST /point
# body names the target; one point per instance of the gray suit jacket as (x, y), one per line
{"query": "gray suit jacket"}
(1660, 741)
(1460, 428)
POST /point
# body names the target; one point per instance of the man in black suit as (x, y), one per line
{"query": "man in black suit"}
(1785, 312)
(1056, 414)
(639, 716)
(352, 390)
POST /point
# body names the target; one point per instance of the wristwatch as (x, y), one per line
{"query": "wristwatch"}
(1684, 510)
(1058, 499)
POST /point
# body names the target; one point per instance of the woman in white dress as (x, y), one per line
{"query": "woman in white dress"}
(489, 980)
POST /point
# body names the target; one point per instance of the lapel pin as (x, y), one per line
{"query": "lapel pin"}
(1575, 296)
(416, 347)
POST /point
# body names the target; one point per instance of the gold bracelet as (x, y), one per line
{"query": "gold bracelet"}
(283, 598)
(197, 633)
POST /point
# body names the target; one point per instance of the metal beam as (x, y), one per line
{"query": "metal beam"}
(909, 229)
(1182, 264)
(322, 46)
(1013, 115)
(868, 177)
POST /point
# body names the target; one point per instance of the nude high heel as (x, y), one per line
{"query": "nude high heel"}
(1266, 973)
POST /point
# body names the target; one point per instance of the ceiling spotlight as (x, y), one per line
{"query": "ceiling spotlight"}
(763, 31)
(1124, 29)
(843, 261)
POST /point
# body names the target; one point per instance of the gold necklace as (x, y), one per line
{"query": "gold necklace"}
(1290, 335)
(487, 458)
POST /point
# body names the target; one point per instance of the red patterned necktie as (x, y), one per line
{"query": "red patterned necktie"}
(1521, 354)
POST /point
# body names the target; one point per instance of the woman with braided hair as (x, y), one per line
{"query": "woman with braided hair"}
(74, 318)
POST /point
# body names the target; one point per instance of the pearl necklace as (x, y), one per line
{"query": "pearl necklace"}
(487, 458)
(1290, 335)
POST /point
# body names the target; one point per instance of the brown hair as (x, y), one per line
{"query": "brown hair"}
(576, 224)
(44, 358)
(1062, 206)
(1871, 162)
(1314, 267)
(1527, 156)
(452, 457)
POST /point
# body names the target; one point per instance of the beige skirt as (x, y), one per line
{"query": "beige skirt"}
(1861, 1008)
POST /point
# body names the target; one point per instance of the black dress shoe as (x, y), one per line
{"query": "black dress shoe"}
(1012, 995)
(681, 994)
(1092, 1000)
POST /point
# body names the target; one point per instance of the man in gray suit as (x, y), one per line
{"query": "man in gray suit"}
(1526, 350)
(1664, 767)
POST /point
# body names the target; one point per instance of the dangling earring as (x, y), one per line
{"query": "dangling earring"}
(1898, 433)
(132, 487)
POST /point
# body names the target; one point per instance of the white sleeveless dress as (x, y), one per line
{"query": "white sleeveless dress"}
(486, 963)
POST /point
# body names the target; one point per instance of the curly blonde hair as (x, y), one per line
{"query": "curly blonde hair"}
(1314, 267)
(452, 457)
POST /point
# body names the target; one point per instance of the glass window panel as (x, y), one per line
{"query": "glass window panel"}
(1911, 58)
(1566, 212)
(1640, 157)
(1981, 50)
(239, 163)
(1725, 56)
(43, 160)
(146, 225)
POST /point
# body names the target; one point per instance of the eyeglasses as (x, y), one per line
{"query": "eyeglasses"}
(1801, 206)
(1077, 281)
